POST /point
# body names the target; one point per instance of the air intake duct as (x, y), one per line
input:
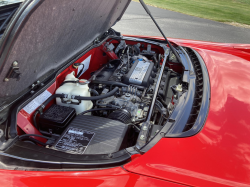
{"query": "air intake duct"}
(121, 115)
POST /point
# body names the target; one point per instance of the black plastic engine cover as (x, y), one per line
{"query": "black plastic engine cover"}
(140, 73)
(92, 135)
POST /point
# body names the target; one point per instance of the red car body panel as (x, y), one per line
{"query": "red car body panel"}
(219, 155)
(101, 178)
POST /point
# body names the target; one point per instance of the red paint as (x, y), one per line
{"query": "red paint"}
(101, 178)
(244, 48)
(27, 126)
(220, 154)
(110, 54)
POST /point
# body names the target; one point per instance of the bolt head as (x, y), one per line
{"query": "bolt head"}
(15, 63)
(142, 137)
(145, 128)
(110, 155)
(6, 79)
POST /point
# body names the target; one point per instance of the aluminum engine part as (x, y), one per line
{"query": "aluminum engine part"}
(127, 101)
(141, 73)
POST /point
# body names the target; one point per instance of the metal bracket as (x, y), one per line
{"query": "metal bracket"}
(143, 135)
(13, 73)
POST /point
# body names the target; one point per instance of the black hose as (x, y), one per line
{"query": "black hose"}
(95, 109)
(162, 101)
(51, 98)
(162, 114)
(94, 92)
(34, 140)
(167, 80)
(68, 82)
(160, 120)
(41, 136)
(111, 86)
(109, 83)
(161, 105)
(34, 119)
(156, 61)
(96, 97)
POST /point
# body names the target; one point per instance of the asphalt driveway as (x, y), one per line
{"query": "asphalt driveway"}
(136, 21)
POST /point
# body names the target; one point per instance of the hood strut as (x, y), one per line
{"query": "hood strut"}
(171, 47)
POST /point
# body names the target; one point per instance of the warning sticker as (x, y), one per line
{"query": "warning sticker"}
(75, 141)
(82, 69)
(35, 103)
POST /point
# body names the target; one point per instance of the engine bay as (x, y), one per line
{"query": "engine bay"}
(99, 104)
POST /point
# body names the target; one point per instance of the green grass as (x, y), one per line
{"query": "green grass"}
(219, 10)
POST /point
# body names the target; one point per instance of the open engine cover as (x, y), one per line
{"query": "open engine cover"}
(31, 39)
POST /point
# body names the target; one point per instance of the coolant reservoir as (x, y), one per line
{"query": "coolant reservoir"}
(77, 90)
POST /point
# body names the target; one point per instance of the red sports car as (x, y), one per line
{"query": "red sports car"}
(83, 105)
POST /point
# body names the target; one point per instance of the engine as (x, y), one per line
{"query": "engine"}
(105, 113)
(136, 76)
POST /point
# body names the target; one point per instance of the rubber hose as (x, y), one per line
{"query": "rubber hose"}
(94, 92)
(96, 97)
(51, 98)
(38, 135)
(34, 140)
(167, 80)
(158, 102)
(68, 82)
(161, 118)
(34, 119)
(108, 83)
(162, 101)
(156, 61)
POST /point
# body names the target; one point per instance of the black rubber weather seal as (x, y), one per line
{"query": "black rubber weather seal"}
(174, 126)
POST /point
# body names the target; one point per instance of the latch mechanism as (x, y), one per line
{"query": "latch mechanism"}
(13, 73)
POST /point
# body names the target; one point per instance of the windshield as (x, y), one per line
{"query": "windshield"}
(226, 21)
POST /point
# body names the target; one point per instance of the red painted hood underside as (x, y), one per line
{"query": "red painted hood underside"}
(220, 153)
